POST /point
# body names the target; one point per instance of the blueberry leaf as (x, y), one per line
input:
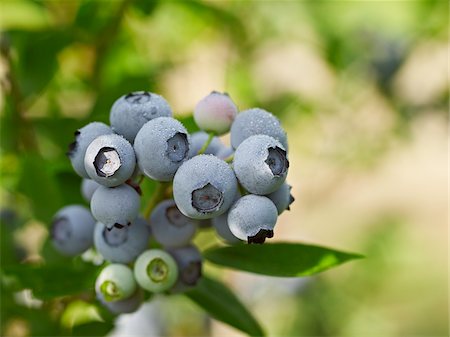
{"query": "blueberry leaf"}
(223, 305)
(279, 259)
(51, 280)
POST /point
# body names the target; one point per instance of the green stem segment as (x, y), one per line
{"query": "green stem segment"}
(229, 159)
(157, 196)
(208, 141)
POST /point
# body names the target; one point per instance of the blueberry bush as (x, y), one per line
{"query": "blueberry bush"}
(122, 184)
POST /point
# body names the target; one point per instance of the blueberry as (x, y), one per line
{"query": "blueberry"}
(130, 112)
(225, 152)
(115, 206)
(220, 224)
(122, 245)
(110, 160)
(198, 139)
(161, 147)
(282, 197)
(252, 218)
(155, 270)
(72, 230)
(115, 282)
(88, 187)
(204, 187)
(170, 227)
(261, 164)
(254, 122)
(215, 113)
(127, 305)
(189, 262)
(84, 137)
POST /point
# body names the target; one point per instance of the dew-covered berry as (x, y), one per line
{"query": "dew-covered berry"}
(155, 270)
(215, 113)
(115, 206)
(204, 187)
(261, 164)
(170, 227)
(88, 187)
(84, 137)
(115, 282)
(130, 112)
(252, 218)
(121, 245)
(161, 146)
(282, 197)
(110, 160)
(256, 122)
(72, 230)
(198, 139)
(189, 262)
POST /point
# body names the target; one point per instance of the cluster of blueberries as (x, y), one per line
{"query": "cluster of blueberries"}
(239, 190)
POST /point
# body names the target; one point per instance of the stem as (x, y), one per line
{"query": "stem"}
(157, 196)
(229, 159)
(208, 141)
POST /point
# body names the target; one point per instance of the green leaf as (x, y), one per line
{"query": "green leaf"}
(38, 184)
(50, 281)
(279, 259)
(93, 329)
(220, 302)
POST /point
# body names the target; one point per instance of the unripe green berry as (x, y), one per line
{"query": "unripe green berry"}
(115, 282)
(155, 270)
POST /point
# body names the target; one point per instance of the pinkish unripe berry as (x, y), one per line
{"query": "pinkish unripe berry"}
(215, 113)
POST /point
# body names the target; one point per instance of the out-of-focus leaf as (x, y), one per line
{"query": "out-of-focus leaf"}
(94, 16)
(93, 329)
(50, 281)
(227, 20)
(37, 62)
(145, 7)
(37, 183)
(22, 14)
(220, 302)
(279, 259)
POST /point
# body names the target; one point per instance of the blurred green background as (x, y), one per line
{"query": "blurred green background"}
(362, 89)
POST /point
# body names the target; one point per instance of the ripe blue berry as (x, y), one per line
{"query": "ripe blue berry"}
(198, 139)
(88, 187)
(115, 282)
(170, 227)
(215, 113)
(115, 206)
(220, 224)
(72, 230)
(130, 112)
(84, 137)
(122, 245)
(204, 187)
(110, 160)
(155, 270)
(282, 197)
(189, 262)
(260, 164)
(161, 147)
(254, 122)
(225, 152)
(252, 218)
